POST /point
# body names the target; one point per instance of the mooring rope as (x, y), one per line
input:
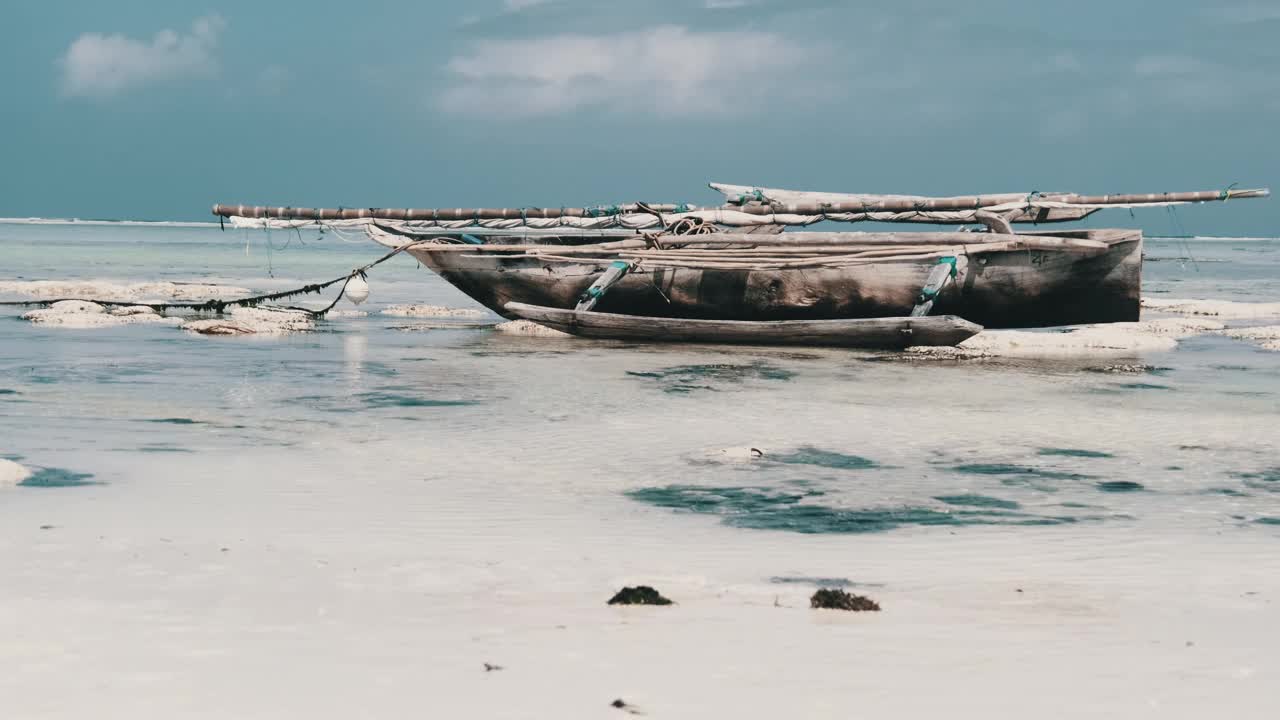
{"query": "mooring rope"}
(218, 306)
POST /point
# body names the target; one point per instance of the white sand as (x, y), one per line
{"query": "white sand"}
(253, 321)
(107, 290)
(80, 315)
(11, 473)
(1107, 339)
(1225, 309)
(433, 311)
(529, 328)
(268, 586)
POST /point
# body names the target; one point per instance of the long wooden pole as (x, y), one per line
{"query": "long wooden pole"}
(973, 202)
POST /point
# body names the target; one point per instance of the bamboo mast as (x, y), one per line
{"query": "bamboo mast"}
(972, 202)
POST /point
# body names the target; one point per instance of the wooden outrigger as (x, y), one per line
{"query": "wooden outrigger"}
(868, 333)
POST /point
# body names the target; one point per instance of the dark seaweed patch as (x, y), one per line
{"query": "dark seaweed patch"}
(809, 455)
(1143, 386)
(1120, 486)
(971, 500)
(1074, 452)
(638, 595)
(1173, 468)
(7, 391)
(174, 421)
(763, 509)
(1268, 521)
(682, 379)
(833, 599)
(1229, 492)
(57, 477)
(1006, 469)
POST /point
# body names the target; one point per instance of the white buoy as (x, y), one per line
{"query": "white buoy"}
(357, 290)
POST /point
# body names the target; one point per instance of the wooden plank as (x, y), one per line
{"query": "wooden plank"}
(881, 333)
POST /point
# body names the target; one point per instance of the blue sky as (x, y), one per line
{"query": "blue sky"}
(150, 109)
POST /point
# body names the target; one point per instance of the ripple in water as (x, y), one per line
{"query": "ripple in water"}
(1074, 452)
(1120, 486)
(56, 478)
(763, 509)
(973, 500)
(809, 455)
(1009, 469)
(683, 379)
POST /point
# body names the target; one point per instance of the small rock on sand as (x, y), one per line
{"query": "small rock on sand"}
(11, 473)
(433, 311)
(525, 327)
(253, 321)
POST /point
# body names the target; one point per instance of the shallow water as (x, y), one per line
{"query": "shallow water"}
(386, 484)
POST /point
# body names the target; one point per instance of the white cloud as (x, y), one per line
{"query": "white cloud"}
(99, 66)
(518, 5)
(666, 70)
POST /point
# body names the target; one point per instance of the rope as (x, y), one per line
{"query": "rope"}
(218, 306)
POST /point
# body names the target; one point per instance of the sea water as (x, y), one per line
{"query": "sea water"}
(351, 522)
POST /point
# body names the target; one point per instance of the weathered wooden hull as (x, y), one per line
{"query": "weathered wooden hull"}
(1014, 288)
(871, 333)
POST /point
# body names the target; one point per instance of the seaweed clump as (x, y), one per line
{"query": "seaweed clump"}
(638, 595)
(836, 599)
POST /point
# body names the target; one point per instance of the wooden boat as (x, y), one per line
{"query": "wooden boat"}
(999, 280)
(725, 263)
(887, 333)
